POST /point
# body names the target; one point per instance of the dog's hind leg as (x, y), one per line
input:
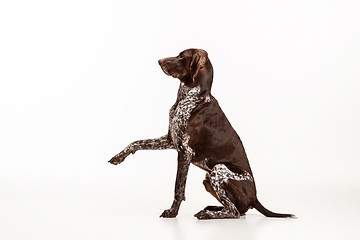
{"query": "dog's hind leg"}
(211, 190)
(228, 188)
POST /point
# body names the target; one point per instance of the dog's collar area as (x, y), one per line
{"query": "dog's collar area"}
(194, 90)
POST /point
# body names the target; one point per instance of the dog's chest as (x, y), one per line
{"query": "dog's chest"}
(187, 100)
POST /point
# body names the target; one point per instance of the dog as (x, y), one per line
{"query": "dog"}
(202, 135)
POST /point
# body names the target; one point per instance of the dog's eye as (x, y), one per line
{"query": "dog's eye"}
(181, 55)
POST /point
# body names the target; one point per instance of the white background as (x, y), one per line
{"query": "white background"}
(80, 81)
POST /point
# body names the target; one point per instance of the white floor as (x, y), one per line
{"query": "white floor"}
(79, 80)
(70, 207)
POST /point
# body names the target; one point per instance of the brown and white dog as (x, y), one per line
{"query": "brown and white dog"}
(201, 134)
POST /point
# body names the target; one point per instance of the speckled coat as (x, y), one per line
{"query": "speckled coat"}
(201, 134)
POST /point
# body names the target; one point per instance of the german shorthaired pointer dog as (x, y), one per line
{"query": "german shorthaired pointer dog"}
(201, 134)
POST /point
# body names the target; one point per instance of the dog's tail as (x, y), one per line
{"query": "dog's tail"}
(258, 206)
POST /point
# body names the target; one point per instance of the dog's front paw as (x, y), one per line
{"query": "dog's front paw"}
(119, 158)
(169, 213)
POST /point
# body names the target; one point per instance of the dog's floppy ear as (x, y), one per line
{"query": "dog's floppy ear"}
(198, 61)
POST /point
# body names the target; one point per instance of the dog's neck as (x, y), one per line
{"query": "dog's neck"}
(193, 94)
(185, 90)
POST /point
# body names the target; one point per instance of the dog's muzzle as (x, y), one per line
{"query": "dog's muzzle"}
(164, 67)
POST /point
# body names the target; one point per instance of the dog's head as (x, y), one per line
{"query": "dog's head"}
(191, 66)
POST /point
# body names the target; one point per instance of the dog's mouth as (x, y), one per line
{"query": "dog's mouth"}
(164, 68)
(165, 71)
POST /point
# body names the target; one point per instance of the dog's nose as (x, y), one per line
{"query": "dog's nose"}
(160, 62)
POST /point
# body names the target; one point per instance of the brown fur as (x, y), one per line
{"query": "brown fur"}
(211, 140)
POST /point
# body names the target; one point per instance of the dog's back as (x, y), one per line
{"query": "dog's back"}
(214, 139)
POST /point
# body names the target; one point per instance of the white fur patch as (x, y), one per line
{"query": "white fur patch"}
(188, 99)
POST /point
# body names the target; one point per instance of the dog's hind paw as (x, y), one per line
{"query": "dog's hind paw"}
(203, 214)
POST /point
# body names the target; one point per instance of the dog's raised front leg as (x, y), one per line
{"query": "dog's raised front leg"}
(161, 143)
(184, 159)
